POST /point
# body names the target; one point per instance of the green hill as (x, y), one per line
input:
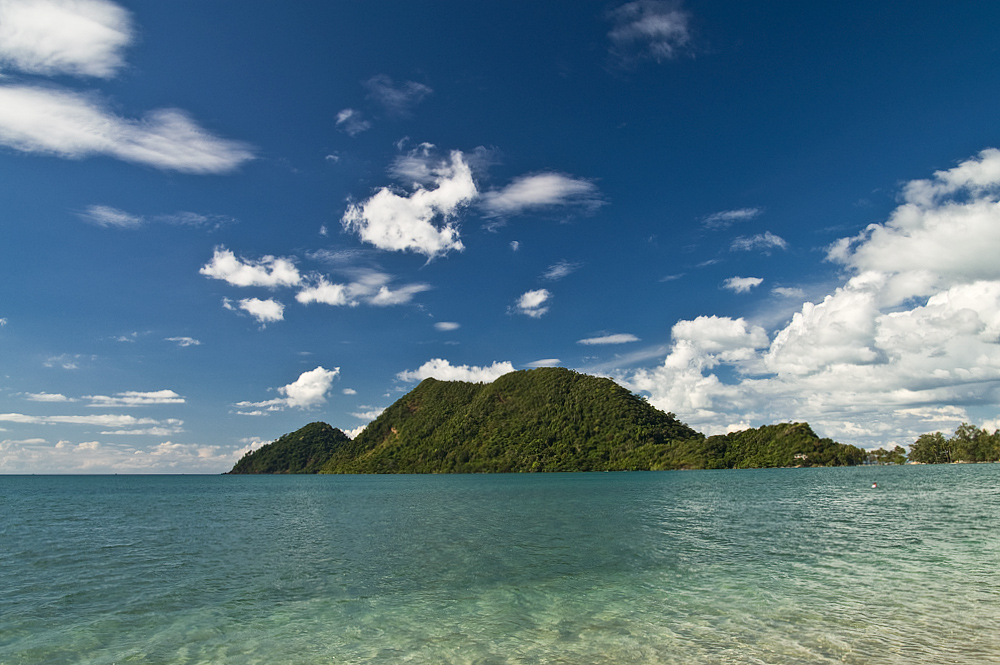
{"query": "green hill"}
(548, 419)
(303, 451)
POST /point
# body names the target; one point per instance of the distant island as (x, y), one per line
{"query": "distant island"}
(540, 420)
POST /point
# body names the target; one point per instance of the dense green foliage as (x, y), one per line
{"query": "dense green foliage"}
(969, 444)
(553, 419)
(548, 419)
(303, 451)
(787, 444)
(882, 456)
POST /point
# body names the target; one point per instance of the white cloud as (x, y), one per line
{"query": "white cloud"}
(762, 241)
(541, 190)
(559, 270)
(446, 326)
(310, 389)
(322, 291)
(622, 338)
(349, 391)
(134, 398)
(545, 362)
(369, 415)
(443, 370)
(101, 420)
(73, 125)
(396, 99)
(106, 216)
(788, 292)
(369, 286)
(649, 29)
(741, 284)
(265, 311)
(906, 345)
(514, 245)
(76, 37)
(39, 456)
(396, 222)
(532, 303)
(352, 123)
(48, 397)
(726, 218)
(184, 341)
(268, 271)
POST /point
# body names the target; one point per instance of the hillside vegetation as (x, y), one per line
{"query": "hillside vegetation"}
(303, 451)
(548, 419)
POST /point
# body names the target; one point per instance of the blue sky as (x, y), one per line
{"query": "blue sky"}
(222, 223)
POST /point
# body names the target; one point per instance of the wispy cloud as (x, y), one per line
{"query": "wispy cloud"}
(620, 338)
(75, 37)
(352, 122)
(135, 398)
(446, 326)
(396, 99)
(559, 270)
(48, 397)
(649, 29)
(539, 191)
(726, 218)
(532, 303)
(762, 241)
(107, 216)
(184, 341)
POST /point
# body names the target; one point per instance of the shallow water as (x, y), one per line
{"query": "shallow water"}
(761, 566)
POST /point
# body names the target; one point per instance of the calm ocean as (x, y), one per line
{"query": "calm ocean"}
(762, 566)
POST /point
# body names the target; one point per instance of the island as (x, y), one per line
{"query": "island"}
(539, 420)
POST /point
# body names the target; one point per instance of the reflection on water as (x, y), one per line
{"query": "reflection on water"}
(769, 566)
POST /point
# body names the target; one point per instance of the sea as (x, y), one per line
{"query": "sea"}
(773, 566)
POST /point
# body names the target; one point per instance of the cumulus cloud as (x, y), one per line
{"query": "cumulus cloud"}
(406, 222)
(369, 286)
(396, 99)
(135, 398)
(443, 370)
(541, 190)
(268, 271)
(621, 338)
(76, 37)
(649, 29)
(533, 304)
(265, 311)
(906, 345)
(764, 242)
(306, 392)
(741, 284)
(352, 123)
(73, 125)
(726, 218)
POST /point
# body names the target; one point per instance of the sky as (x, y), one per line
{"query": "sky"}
(221, 222)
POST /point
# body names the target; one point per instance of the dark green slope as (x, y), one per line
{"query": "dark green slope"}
(303, 451)
(787, 444)
(548, 419)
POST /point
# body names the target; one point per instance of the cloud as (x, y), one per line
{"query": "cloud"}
(559, 270)
(726, 218)
(76, 37)
(268, 271)
(184, 341)
(396, 99)
(133, 398)
(540, 190)
(788, 292)
(443, 370)
(741, 284)
(48, 397)
(405, 222)
(101, 420)
(649, 29)
(907, 344)
(349, 391)
(762, 241)
(310, 389)
(38, 456)
(73, 125)
(106, 216)
(265, 311)
(307, 391)
(352, 123)
(369, 286)
(446, 326)
(545, 362)
(532, 303)
(622, 338)
(514, 245)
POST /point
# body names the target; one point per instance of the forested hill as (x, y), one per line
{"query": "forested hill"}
(547, 419)
(303, 451)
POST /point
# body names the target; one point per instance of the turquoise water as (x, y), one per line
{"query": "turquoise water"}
(768, 566)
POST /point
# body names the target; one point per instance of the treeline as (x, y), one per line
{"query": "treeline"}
(968, 444)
